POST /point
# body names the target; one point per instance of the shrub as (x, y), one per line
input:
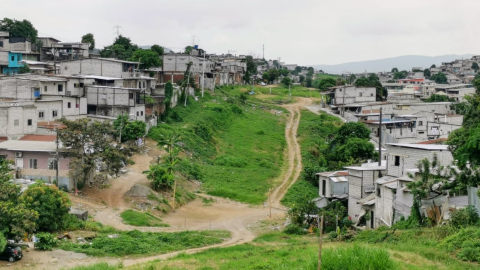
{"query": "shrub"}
(464, 217)
(294, 229)
(46, 241)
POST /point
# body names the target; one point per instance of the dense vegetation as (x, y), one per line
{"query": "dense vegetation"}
(231, 145)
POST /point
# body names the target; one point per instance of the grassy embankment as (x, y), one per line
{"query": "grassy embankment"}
(135, 218)
(319, 77)
(114, 243)
(425, 249)
(234, 148)
(312, 132)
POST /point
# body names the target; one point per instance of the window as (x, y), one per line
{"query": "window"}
(33, 163)
(397, 160)
(13, 58)
(29, 122)
(141, 113)
(139, 84)
(60, 88)
(45, 88)
(75, 85)
(324, 186)
(69, 105)
(361, 94)
(81, 84)
(54, 113)
(143, 84)
(16, 123)
(420, 123)
(138, 113)
(52, 164)
(379, 193)
(421, 132)
(41, 115)
(371, 94)
(130, 95)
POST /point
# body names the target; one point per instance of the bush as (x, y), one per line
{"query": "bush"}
(464, 217)
(294, 229)
(46, 241)
(466, 241)
(3, 241)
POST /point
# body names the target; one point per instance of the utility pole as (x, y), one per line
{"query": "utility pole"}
(320, 243)
(380, 140)
(186, 89)
(343, 110)
(56, 157)
(121, 127)
(263, 55)
(117, 32)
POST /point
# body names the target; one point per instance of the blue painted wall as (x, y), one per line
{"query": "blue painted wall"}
(14, 60)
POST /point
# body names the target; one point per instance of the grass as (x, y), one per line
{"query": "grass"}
(135, 218)
(97, 266)
(234, 149)
(325, 75)
(144, 243)
(300, 190)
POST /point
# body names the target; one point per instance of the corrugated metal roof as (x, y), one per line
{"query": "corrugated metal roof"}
(29, 146)
(433, 147)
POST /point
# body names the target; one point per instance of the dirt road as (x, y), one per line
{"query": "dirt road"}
(222, 214)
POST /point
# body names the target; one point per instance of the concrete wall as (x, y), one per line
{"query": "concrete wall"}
(353, 95)
(92, 67)
(409, 157)
(384, 207)
(14, 120)
(15, 88)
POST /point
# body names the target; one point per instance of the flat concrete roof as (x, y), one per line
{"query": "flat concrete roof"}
(431, 147)
(28, 146)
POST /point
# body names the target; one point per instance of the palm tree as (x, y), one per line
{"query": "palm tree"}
(171, 145)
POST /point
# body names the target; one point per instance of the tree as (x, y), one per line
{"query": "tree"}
(394, 70)
(351, 79)
(309, 82)
(439, 98)
(287, 81)
(160, 177)
(147, 58)
(23, 29)
(251, 68)
(15, 219)
(298, 69)
(431, 179)
(50, 203)
(475, 66)
(433, 66)
(301, 78)
(427, 73)
(400, 75)
(283, 72)
(88, 38)
(351, 130)
(340, 82)
(440, 78)
(266, 76)
(355, 149)
(3, 241)
(326, 83)
(24, 69)
(88, 142)
(171, 145)
(122, 48)
(167, 101)
(460, 108)
(130, 130)
(158, 49)
(188, 49)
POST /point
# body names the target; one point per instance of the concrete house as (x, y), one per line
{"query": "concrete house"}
(333, 184)
(361, 184)
(34, 157)
(393, 199)
(341, 95)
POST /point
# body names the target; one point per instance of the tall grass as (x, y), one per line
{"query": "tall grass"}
(131, 217)
(97, 266)
(356, 257)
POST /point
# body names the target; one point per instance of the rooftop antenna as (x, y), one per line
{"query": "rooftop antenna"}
(263, 56)
(117, 32)
(193, 41)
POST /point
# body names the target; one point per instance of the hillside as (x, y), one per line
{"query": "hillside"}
(404, 62)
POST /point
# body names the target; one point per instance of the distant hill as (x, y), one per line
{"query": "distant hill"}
(405, 62)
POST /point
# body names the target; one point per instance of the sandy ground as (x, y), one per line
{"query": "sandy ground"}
(105, 205)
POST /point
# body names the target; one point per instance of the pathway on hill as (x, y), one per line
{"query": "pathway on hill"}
(105, 205)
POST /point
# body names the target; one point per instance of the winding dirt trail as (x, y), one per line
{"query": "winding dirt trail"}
(223, 214)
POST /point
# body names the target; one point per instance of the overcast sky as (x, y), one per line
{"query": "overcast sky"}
(302, 32)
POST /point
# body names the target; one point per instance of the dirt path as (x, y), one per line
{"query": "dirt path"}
(222, 214)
